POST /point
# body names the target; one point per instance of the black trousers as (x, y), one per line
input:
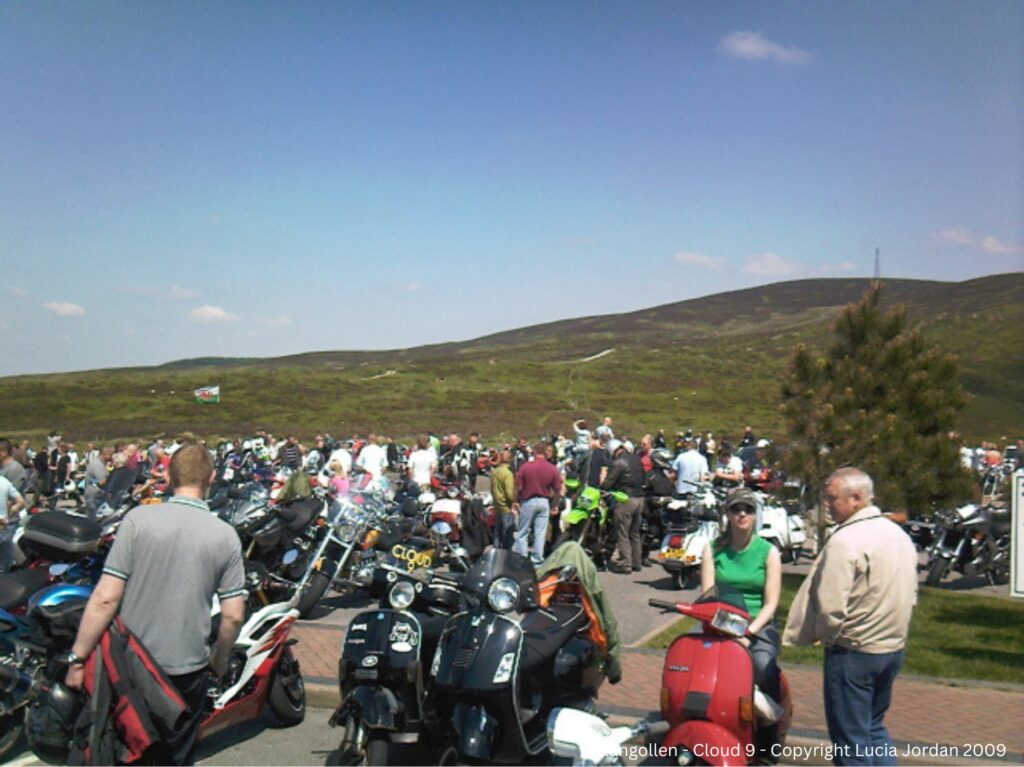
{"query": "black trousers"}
(181, 750)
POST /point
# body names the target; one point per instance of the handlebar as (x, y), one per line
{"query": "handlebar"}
(662, 604)
(652, 729)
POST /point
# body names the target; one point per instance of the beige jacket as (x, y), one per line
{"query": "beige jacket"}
(861, 591)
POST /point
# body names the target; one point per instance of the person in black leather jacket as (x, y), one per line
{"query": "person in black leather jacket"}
(626, 475)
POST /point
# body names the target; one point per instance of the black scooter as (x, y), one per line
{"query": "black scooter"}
(505, 662)
(384, 661)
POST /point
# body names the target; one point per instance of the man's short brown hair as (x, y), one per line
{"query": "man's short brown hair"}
(191, 466)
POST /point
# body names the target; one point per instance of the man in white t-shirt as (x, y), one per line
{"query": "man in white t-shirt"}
(11, 501)
(373, 458)
(729, 469)
(422, 462)
(689, 466)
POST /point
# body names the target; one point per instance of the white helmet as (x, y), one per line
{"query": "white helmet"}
(613, 446)
(763, 443)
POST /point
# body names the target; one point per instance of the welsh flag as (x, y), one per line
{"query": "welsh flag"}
(208, 395)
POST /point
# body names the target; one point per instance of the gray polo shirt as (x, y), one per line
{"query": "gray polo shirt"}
(174, 557)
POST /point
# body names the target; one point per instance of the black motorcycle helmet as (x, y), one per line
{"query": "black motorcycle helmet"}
(662, 458)
(49, 722)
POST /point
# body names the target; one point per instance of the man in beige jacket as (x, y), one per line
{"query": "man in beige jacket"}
(857, 601)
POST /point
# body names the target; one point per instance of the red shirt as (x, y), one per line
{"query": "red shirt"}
(537, 479)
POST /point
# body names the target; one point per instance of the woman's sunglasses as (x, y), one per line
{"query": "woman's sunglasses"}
(742, 510)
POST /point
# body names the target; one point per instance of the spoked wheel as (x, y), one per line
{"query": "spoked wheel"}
(288, 691)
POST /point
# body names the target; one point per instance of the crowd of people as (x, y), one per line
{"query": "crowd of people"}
(838, 605)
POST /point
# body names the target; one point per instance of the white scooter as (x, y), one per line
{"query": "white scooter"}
(682, 549)
(782, 526)
(588, 740)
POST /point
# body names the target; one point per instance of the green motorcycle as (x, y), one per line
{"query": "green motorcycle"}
(587, 520)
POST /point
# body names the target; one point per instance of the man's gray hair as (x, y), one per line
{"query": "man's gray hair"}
(852, 480)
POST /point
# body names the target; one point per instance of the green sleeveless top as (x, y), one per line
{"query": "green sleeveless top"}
(744, 571)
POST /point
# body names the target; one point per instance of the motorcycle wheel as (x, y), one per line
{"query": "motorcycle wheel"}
(288, 691)
(10, 731)
(936, 571)
(1000, 577)
(314, 591)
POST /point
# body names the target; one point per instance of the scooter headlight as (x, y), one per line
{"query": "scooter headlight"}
(730, 623)
(503, 595)
(401, 595)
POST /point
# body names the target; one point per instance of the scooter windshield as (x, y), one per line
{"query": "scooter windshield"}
(501, 563)
(725, 594)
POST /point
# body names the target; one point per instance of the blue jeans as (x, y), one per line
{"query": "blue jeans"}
(858, 689)
(533, 514)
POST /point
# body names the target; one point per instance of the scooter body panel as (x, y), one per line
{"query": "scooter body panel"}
(704, 678)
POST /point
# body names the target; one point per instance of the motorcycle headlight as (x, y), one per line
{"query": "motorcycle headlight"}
(401, 595)
(730, 623)
(503, 595)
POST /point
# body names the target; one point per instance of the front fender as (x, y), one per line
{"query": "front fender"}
(376, 707)
(475, 731)
(709, 742)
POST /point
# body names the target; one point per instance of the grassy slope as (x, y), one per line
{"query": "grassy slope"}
(952, 635)
(711, 363)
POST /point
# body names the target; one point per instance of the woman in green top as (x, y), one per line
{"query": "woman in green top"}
(742, 559)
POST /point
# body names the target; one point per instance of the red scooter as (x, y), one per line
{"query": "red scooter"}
(707, 688)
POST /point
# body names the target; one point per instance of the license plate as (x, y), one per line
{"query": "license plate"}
(674, 554)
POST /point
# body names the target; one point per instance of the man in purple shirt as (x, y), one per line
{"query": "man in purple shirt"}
(538, 483)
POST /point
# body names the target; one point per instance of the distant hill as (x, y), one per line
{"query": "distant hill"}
(711, 363)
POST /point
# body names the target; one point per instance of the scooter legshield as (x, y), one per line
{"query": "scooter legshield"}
(376, 707)
(708, 742)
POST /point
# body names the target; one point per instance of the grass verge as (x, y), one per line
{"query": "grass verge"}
(952, 635)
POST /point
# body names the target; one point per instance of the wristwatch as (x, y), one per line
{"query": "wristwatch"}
(73, 660)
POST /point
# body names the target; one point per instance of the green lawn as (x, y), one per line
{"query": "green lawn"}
(952, 635)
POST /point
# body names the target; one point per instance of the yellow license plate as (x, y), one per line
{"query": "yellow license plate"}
(674, 554)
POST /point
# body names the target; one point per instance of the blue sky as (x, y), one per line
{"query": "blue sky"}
(189, 179)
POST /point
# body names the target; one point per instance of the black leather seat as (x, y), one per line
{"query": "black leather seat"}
(298, 514)
(17, 587)
(546, 630)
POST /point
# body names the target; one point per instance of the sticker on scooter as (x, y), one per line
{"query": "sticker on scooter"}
(370, 661)
(358, 627)
(403, 638)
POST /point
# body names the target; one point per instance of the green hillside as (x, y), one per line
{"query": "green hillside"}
(709, 363)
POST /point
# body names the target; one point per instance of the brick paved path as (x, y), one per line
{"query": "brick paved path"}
(922, 712)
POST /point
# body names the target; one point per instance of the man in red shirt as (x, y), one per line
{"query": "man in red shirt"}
(538, 483)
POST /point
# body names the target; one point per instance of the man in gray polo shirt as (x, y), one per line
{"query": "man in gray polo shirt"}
(165, 566)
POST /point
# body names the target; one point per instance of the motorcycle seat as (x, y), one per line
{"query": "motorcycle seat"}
(547, 629)
(17, 587)
(298, 514)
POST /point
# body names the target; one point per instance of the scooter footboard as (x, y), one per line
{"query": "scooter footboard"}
(710, 743)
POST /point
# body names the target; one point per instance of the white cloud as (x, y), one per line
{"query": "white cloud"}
(992, 245)
(276, 322)
(207, 314)
(179, 292)
(964, 237)
(414, 287)
(752, 46)
(154, 291)
(770, 265)
(698, 259)
(64, 309)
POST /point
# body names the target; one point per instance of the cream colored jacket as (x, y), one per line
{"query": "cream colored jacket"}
(861, 591)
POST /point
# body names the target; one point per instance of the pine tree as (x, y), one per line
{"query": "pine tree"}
(880, 399)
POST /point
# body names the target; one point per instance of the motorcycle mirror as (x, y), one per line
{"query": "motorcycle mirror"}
(567, 573)
(289, 557)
